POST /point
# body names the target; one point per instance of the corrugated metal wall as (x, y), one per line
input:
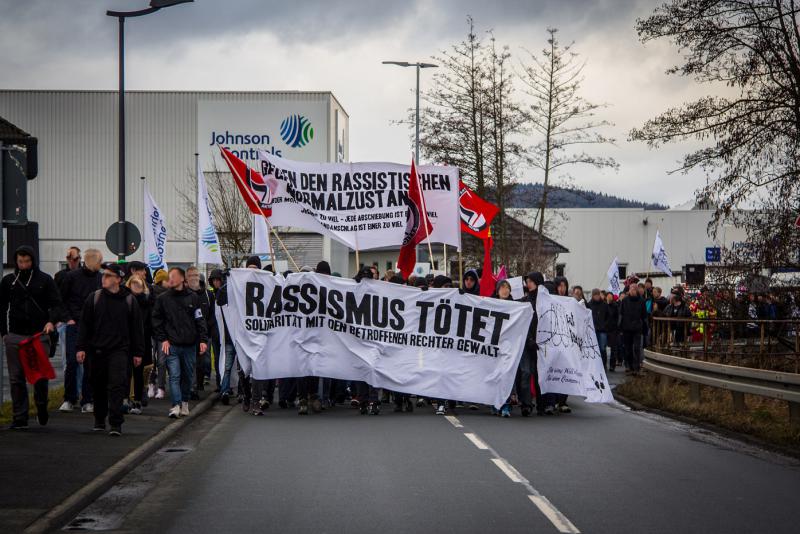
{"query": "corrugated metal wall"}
(74, 199)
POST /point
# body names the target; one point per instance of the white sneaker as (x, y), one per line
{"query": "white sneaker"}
(442, 409)
(184, 409)
(175, 412)
(87, 408)
(161, 394)
(151, 391)
(66, 407)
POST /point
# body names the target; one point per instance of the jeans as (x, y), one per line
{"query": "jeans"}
(16, 379)
(110, 383)
(633, 350)
(523, 380)
(71, 372)
(602, 342)
(159, 375)
(230, 357)
(180, 363)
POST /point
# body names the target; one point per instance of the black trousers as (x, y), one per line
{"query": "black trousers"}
(307, 387)
(110, 383)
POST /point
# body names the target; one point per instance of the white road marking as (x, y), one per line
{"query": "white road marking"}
(478, 442)
(454, 421)
(550, 512)
(541, 502)
(506, 468)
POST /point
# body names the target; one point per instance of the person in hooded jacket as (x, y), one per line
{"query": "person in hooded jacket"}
(528, 363)
(30, 303)
(111, 332)
(503, 292)
(75, 287)
(471, 282)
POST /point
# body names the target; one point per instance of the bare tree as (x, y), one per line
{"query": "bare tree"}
(748, 50)
(565, 121)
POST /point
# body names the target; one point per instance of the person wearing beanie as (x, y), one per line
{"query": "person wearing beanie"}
(440, 281)
(269, 268)
(253, 262)
(471, 282)
(306, 269)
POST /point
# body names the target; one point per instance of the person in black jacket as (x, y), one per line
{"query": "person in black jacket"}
(75, 287)
(528, 362)
(677, 309)
(112, 334)
(29, 303)
(203, 363)
(471, 282)
(632, 317)
(612, 331)
(178, 327)
(600, 313)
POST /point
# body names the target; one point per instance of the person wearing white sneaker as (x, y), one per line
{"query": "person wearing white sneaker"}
(87, 408)
(66, 407)
(175, 411)
(160, 394)
(179, 328)
(151, 391)
(184, 409)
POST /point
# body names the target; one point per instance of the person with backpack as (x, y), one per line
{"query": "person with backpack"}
(111, 334)
(179, 328)
(29, 304)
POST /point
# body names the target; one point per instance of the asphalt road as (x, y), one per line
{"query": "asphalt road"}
(599, 469)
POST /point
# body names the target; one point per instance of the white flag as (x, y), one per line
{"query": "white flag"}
(207, 240)
(613, 278)
(155, 234)
(260, 235)
(660, 260)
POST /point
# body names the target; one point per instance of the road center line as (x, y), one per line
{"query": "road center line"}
(541, 502)
(454, 421)
(478, 442)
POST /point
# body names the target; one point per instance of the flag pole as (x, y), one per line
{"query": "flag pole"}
(271, 254)
(197, 202)
(445, 258)
(425, 209)
(460, 267)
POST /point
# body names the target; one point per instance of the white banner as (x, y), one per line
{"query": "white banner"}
(569, 360)
(517, 290)
(362, 205)
(207, 239)
(614, 285)
(155, 233)
(660, 259)
(437, 343)
(260, 236)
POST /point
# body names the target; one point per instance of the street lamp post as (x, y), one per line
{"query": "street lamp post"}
(419, 65)
(155, 5)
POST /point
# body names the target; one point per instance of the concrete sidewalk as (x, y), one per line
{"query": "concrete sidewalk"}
(43, 466)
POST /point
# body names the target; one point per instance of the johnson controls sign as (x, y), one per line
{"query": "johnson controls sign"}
(287, 129)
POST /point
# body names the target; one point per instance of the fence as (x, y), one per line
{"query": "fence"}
(756, 357)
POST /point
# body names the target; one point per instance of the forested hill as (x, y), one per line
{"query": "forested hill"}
(528, 196)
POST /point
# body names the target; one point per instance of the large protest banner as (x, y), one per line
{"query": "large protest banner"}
(568, 358)
(437, 343)
(363, 205)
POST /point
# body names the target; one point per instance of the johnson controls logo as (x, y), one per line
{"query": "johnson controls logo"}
(296, 131)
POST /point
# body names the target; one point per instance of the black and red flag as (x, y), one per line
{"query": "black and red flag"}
(418, 226)
(256, 190)
(476, 213)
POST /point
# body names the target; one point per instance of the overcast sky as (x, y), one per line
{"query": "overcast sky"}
(339, 45)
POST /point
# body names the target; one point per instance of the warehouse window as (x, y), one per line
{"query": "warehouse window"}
(623, 271)
(560, 267)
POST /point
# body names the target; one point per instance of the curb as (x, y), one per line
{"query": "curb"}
(726, 432)
(69, 507)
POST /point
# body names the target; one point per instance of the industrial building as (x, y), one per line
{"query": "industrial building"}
(74, 197)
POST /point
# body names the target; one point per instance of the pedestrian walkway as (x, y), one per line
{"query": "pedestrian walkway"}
(42, 466)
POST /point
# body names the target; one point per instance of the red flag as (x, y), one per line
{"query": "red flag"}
(476, 213)
(418, 226)
(256, 191)
(502, 274)
(797, 222)
(34, 360)
(487, 279)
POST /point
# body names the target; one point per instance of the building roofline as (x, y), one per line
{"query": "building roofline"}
(181, 91)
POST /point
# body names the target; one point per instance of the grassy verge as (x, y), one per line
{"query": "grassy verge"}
(765, 419)
(55, 398)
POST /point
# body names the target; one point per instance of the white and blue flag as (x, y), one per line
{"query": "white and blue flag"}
(660, 259)
(155, 234)
(208, 250)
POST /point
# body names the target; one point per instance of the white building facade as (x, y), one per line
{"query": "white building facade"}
(74, 197)
(595, 236)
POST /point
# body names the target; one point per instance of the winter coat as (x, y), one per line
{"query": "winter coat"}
(600, 314)
(76, 286)
(111, 321)
(28, 299)
(178, 318)
(632, 314)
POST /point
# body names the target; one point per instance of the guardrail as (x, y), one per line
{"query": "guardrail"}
(699, 362)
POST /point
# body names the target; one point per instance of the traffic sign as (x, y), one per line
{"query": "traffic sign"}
(123, 238)
(713, 254)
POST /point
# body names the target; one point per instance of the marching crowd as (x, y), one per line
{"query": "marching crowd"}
(129, 338)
